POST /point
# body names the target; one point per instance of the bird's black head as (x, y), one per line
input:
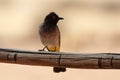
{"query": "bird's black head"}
(52, 18)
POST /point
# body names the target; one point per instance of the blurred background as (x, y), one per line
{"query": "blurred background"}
(89, 26)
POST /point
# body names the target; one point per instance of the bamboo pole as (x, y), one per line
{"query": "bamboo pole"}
(61, 59)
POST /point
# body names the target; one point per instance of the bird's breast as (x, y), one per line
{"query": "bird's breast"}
(50, 36)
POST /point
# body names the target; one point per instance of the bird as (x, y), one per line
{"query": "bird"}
(50, 36)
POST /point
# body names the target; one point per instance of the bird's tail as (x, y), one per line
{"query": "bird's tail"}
(56, 69)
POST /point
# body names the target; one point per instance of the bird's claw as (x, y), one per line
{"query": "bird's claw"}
(41, 50)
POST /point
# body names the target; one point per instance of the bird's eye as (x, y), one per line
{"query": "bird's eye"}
(53, 17)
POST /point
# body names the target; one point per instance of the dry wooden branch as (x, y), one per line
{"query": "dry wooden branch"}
(61, 59)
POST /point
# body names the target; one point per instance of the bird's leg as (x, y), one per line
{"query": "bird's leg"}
(47, 48)
(43, 49)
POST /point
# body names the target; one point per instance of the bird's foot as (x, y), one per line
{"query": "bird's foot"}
(41, 50)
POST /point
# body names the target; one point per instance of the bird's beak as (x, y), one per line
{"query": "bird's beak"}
(60, 18)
